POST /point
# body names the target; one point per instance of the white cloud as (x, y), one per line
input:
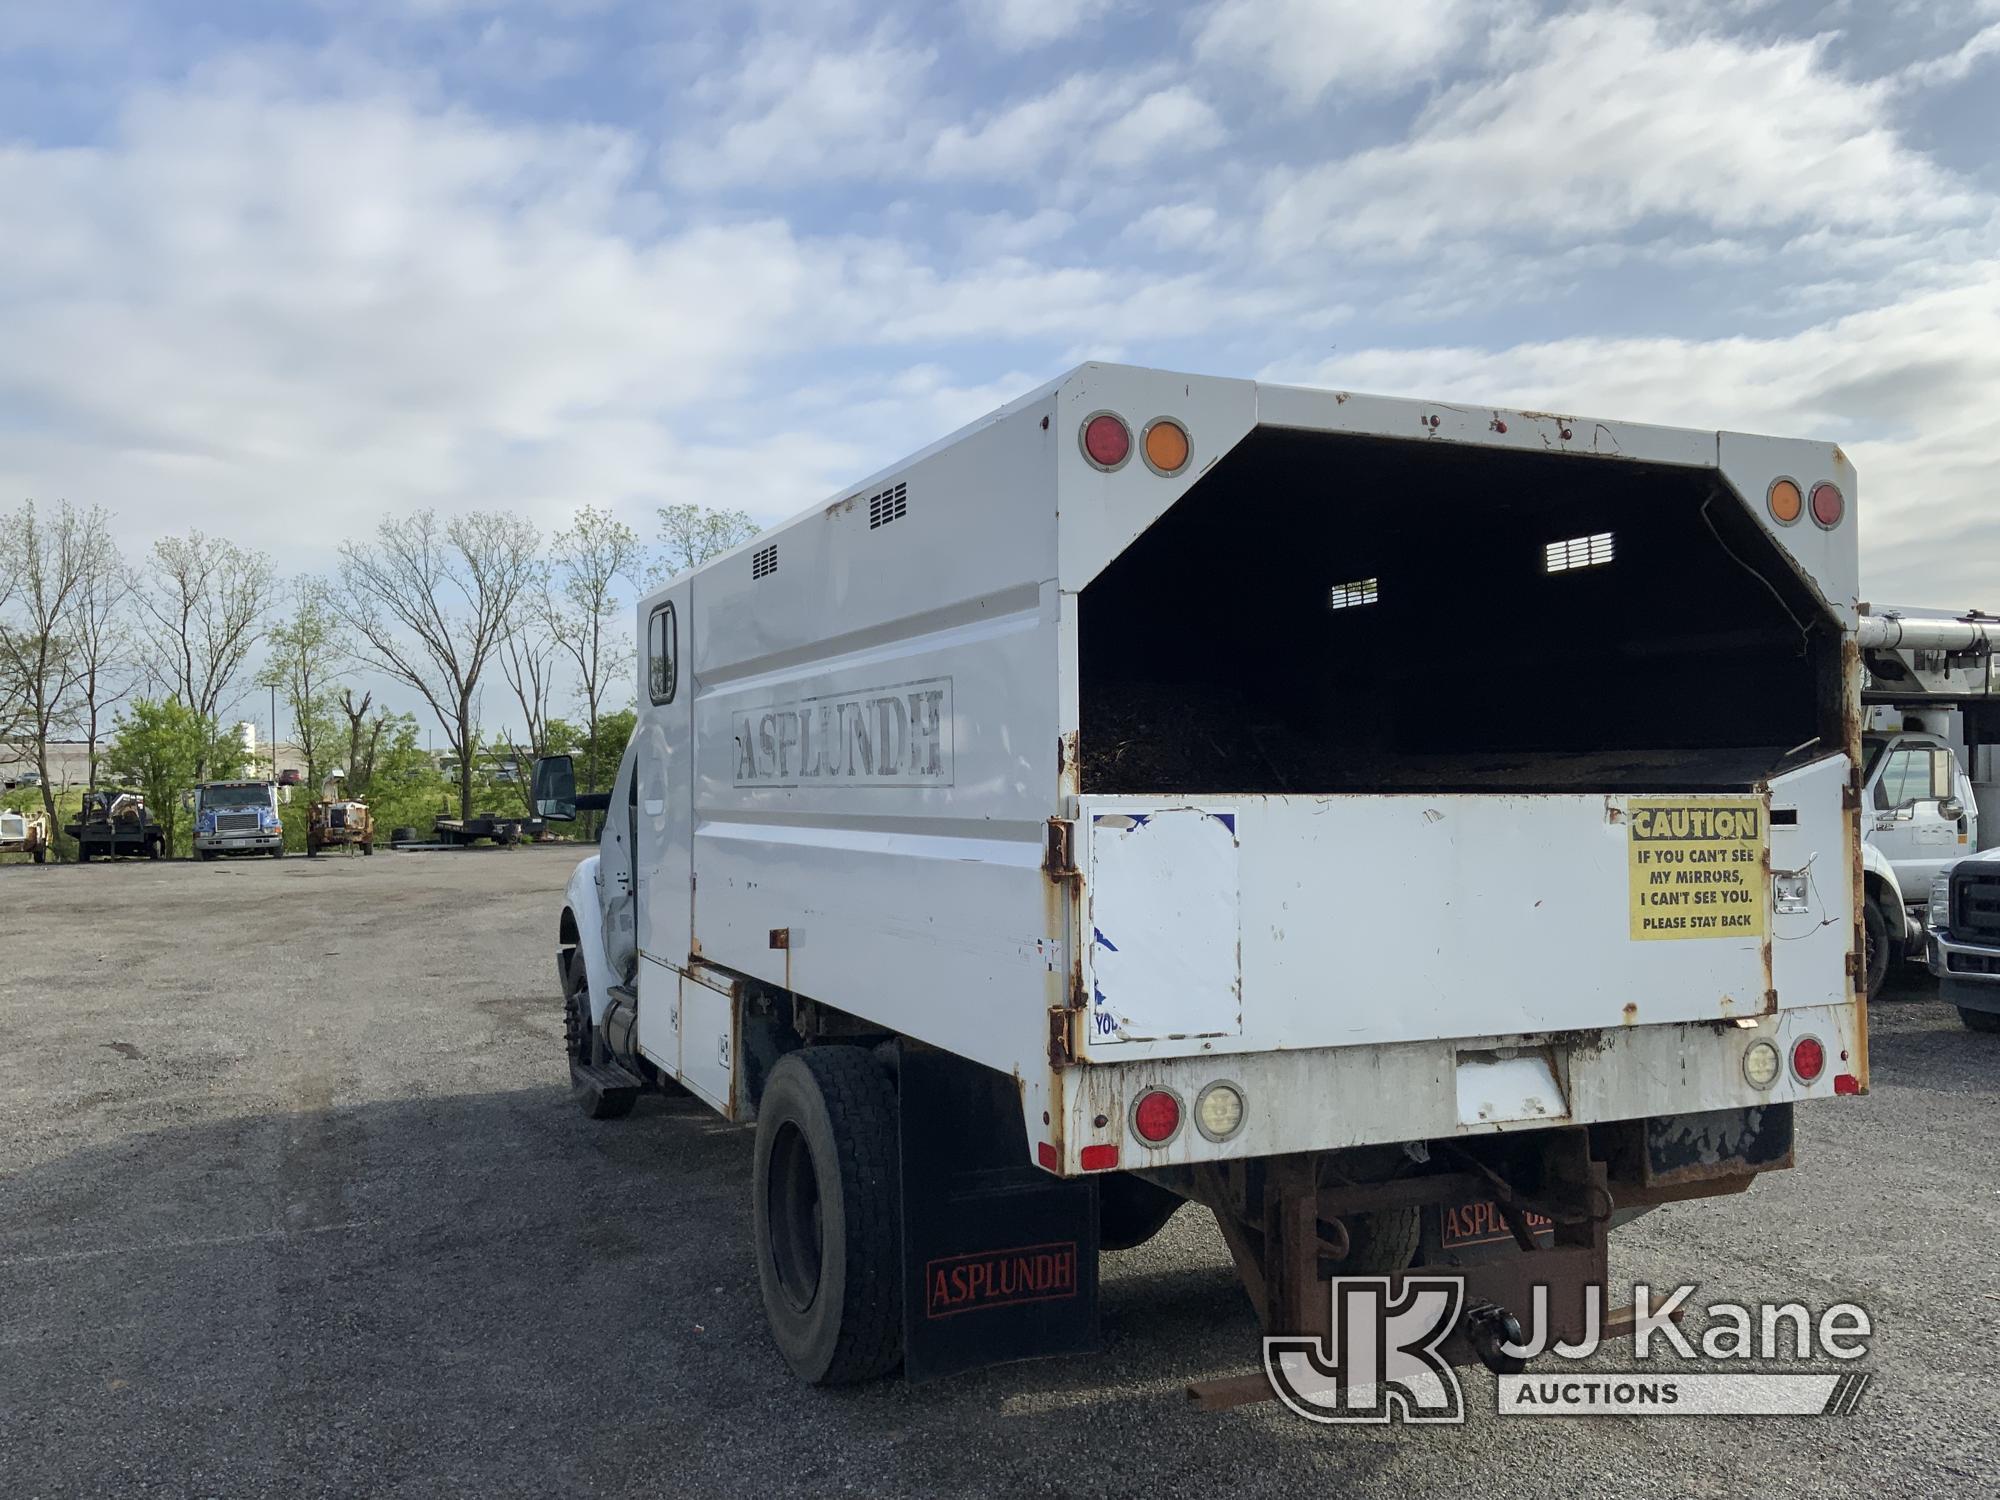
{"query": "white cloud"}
(1360, 46)
(1170, 120)
(797, 109)
(1019, 25)
(1910, 389)
(1176, 226)
(1609, 120)
(1956, 65)
(1120, 121)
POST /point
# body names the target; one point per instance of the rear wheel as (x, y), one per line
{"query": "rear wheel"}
(41, 854)
(155, 847)
(1979, 1020)
(1381, 1242)
(1877, 931)
(82, 853)
(368, 846)
(1131, 1210)
(826, 1201)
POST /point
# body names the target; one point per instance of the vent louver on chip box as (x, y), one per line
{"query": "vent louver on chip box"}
(890, 505)
(764, 562)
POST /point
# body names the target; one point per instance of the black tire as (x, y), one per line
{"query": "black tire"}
(826, 1202)
(41, 854)
(1979, 1020)
(205, 854)
(402, 835)
(279, 852)
(368, 847)
(82, 853)
(1877, 932)
(153, 849)
(1382, 1242)
(1131, 1210)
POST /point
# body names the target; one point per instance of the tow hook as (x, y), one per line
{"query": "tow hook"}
(1490, 1329)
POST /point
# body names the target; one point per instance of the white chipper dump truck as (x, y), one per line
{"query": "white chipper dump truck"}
(1415, 833)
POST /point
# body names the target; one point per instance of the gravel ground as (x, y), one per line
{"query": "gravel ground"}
(293, 1200)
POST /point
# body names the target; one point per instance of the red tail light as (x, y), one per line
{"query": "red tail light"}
(1107, 441)
(1157, 1116)
(1808, 1059)
(1828, 505)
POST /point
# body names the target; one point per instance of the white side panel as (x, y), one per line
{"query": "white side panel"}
(1832, 558)
(1374, 919)
(1165, 939)
(1809, 949)
(660, 1014)
(708, 1041)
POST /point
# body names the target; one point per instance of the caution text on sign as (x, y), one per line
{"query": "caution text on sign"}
(1697, 867)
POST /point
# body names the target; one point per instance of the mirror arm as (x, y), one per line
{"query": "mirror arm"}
(593, 801)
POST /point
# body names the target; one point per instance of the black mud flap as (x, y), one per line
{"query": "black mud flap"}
(1717, 1143)
(999, 1258)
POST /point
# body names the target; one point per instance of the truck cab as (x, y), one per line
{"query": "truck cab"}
(1918, 808)
(237, 817)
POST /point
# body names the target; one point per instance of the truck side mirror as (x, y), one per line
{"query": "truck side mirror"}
(187, 801)
(555, 788)
(1944, 775)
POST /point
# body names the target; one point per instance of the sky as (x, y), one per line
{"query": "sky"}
(274, 269)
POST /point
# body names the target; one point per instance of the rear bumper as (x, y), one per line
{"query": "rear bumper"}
(1967, 976)
(1326, 1099)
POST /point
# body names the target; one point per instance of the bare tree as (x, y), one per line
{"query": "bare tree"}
(692, 534)
(431, 602)
(38, 652)
(361, 743)
(309, 651)
(106, 650)
(528, 655)
(581, 606)
(205, 600)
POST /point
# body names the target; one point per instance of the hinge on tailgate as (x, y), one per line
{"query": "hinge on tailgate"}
(1062, 1036)
(1060, 861)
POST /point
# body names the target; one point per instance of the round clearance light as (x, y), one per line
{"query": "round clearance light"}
(1107, 441)
(1786, 501)
(1156, 1116)
(1166, 446)
(1808, 1059)
(1218, 1111)
(1828, 505)
(1760, 1065)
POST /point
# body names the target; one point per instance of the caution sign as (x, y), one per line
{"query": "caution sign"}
(1697, 868)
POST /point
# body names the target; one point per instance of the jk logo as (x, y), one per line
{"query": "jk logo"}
(1379, 1361)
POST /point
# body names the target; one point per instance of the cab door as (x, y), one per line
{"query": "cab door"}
(662, 813)
(1917, 818)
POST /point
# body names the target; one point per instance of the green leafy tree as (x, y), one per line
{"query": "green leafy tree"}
(691, 534)
(161, 748)
(405, 787)
(308, 651)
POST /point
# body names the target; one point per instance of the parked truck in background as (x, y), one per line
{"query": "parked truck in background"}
(1041, 835)
(1931, 767)
(237, 817)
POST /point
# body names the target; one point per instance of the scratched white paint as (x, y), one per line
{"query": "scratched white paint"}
(1163, 930)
